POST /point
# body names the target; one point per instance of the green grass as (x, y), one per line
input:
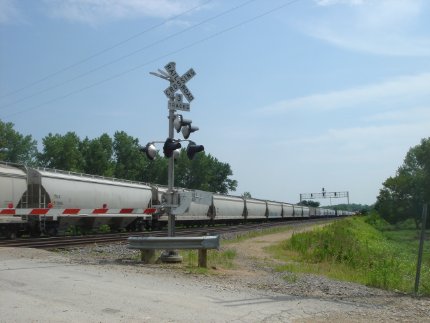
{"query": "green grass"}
(215, 259)
(354, 250)
(225, 259)
(253, 234)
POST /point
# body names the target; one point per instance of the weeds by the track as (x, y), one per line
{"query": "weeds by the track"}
(257, 233)
(355, 250)
(225, 258)
(216, 259)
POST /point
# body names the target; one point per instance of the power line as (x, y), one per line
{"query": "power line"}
(103, 50)
(193, 44)
(128, 55)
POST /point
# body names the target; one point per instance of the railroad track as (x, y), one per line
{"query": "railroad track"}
(72, 241)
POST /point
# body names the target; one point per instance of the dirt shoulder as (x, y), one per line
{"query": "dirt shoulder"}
(254, 267)
(254, 270)
(108, 283)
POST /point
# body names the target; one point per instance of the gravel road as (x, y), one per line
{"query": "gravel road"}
(106, 284)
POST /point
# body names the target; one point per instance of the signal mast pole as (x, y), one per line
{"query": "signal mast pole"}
(170, 182)
(177, 82)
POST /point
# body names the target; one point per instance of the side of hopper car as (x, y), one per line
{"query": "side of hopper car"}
(40, 200)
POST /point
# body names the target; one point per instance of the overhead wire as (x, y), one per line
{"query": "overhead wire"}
(129, 54)
(86, 59)
(193, 44)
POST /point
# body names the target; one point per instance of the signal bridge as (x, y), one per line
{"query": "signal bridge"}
(324, 195)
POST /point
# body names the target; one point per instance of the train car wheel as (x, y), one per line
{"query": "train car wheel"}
(52, 231)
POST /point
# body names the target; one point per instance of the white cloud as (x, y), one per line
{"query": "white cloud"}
(353, 137)
(9, 13)
(98, 11)
(404, 89)
(388, 27)
(358, 151)
(422, 113)
(357, 159)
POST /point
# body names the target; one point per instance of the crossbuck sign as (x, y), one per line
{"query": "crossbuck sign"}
(178, 83)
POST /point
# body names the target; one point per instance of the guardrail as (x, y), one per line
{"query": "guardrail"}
(148, 245)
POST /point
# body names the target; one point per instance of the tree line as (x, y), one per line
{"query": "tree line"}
(118, 156)
(403, 195)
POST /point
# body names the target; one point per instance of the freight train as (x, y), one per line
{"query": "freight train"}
(38, 201)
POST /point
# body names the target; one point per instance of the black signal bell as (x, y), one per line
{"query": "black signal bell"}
(149, 150)
(169, 146)
(193, 149)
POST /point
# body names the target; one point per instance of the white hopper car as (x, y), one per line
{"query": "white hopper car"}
(36, 200)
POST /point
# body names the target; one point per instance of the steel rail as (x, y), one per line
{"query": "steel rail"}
(73, 241)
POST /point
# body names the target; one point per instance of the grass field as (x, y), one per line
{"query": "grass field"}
(359, 249)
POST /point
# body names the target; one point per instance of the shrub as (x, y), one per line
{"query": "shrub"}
(365, 252)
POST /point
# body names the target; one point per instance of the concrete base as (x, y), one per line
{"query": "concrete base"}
(170, 256)
(148, 256)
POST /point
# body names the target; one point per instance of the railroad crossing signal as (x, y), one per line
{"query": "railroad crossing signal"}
(169, 146)
(193, 149)
(177, 104)
(178, 82)
(178, 123)
(149, 150)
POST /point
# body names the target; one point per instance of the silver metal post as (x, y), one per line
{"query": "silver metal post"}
(170, 181)
(170, 255)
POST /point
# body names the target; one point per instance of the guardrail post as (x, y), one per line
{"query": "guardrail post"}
(203, 258)
(148, 245)
(147, 256)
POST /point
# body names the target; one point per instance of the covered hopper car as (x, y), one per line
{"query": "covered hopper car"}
(40, 200)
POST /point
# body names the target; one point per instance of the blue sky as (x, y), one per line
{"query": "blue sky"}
(294, 95)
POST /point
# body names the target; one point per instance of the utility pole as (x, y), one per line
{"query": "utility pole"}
(420, 249)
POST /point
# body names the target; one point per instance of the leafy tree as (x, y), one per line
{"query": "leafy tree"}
(155, 171)
(62, 152)
(119, 157)
(97, 155)
(129, 161)
(247, 195)
(403, 195)
(220, 181)
(14, 147)
(204, 172)
(309, 203)
(353, 207)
